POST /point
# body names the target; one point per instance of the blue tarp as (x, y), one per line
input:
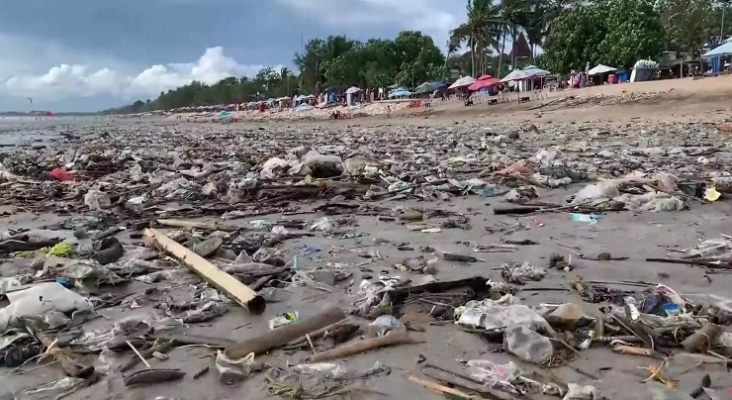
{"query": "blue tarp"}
(400, 93)
(724, 49)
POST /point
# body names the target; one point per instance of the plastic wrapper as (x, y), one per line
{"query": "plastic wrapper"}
(527, 345)
(40, 299)
(496, 314)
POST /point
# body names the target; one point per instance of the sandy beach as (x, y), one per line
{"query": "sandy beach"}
(409, 191)
(681, 94)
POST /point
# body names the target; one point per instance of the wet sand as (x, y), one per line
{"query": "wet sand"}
(684, 120)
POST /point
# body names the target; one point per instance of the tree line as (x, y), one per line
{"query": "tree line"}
(332, 63)
(570, 33)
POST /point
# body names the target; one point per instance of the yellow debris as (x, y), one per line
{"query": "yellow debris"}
(711, 194)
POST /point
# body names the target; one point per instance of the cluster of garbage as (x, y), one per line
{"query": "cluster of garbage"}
(129, 235)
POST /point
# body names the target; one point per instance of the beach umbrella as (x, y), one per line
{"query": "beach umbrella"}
(600, 69)
(462, 82)
(401, 92)
(421, 86)
(484, 77)
(483, 83)
(723, 50)
(429, 87)
(536, 71)
(353, 89)
(516, 75)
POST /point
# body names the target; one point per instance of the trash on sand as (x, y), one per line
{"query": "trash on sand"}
(284, 319)
(239, 292)
(39, 300)
(591, 219)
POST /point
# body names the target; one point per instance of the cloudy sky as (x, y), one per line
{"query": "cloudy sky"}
(87, 55)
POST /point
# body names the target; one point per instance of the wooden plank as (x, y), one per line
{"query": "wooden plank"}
(229, 285)
(178, 223)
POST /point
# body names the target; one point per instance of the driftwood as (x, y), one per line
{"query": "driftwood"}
(349, 349)
(12, 245)
(211, 226)
(233, 288)
(701, 340)
(283, 335)
(70, 366)
(160, 348)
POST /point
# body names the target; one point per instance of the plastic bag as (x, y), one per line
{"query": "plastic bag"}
(324, 225)
(490, 314)
(386, 323)
(600, 190)
(580, 392)
(493, 374)
(39, 299)
(272, 167)
(527, 345)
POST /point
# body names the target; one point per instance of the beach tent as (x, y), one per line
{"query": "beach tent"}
(601, 69)
(303, 107)
(421, 86)
(400, 92)
(429, 87)
(483, 82)
(516, 75)
(462, 82)
(536, 71)
(353, 89)
(723, 50)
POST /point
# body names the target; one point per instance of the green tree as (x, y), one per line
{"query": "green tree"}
(574, 39)
(687, 23)
(336, 61)
(414, 52)
(316, 55)
(633, 32)
(345, 70)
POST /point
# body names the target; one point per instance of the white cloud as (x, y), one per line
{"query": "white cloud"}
(433, 17)
(83, 80)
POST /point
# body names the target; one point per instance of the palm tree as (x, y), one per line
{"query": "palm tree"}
(459, 35)
(478, 32)
(285, 74)
(513, 15)
(535, 24)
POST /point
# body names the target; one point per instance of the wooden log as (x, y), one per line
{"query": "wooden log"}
(179, 223)
(69, 365)
(349, 349)
(234, 289)
(701, 340)
(283, 335)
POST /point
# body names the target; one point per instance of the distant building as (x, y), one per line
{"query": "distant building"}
(521, 49)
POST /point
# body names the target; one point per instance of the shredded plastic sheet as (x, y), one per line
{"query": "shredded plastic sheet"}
(40, 299)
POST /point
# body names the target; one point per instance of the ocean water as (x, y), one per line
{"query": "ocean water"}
(16, 131)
